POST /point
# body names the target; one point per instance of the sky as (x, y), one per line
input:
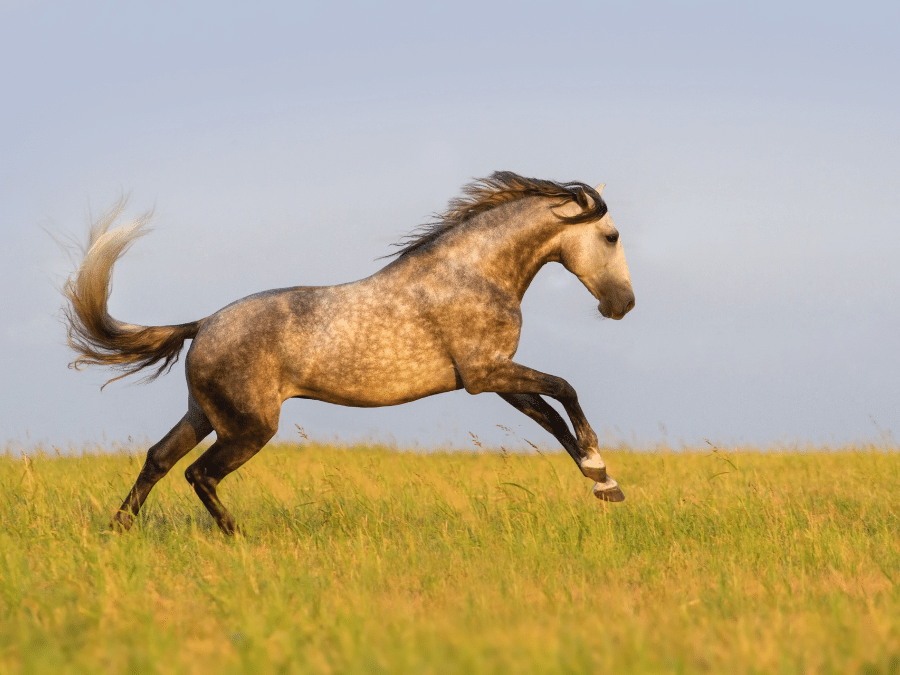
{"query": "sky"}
(751, 153)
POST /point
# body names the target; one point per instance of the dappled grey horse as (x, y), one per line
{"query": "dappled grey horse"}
(444, 315)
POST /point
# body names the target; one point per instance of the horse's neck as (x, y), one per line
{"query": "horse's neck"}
(505, 246)
(512, 251)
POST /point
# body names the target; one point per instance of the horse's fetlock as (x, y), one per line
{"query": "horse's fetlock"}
(589, 445)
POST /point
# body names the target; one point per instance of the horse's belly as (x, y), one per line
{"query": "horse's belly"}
(371, 379)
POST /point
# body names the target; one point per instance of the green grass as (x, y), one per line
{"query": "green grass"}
(368, 560)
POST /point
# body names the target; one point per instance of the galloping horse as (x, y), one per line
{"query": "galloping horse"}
(443, 315)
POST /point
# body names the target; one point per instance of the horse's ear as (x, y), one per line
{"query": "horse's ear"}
(583, 200)
(599, 188)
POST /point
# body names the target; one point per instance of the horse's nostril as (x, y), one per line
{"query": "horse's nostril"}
(629, 306)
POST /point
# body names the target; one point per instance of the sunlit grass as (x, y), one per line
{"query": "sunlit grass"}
(375, 560)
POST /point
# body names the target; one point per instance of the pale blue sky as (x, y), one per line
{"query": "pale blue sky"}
(752, 157)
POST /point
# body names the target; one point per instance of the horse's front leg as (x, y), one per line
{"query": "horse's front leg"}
(541, 412)
(522, 387)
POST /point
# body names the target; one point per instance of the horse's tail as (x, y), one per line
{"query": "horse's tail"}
(100, 339)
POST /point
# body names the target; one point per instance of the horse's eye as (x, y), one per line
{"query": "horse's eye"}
(612, 238)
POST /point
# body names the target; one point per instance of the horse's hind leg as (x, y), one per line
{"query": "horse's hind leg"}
(223, 457)
(184, 436)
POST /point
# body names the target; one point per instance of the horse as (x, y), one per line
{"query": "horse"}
(444, 314)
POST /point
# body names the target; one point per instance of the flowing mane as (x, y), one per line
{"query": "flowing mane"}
(501, 187)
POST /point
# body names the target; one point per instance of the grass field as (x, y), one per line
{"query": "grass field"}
(365, 560)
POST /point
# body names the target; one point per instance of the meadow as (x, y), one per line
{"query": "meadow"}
(375, 560)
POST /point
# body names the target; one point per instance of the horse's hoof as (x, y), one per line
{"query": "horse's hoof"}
(594, 468)
(609, 491)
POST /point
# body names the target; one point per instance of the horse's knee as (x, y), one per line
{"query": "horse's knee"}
(566, 392)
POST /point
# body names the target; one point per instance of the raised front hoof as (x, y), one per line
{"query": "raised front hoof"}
(609, 491)
(594, 468)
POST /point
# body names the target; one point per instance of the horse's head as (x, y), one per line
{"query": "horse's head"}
(593, 252)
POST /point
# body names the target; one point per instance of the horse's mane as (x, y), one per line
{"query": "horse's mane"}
(502, 187)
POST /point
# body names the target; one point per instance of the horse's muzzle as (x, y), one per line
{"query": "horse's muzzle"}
(617, 309)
